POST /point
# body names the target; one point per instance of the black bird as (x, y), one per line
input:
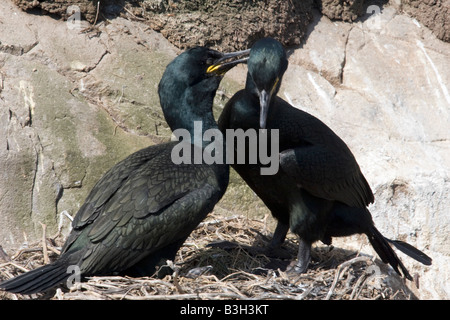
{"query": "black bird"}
(319, 190)
(141, 211)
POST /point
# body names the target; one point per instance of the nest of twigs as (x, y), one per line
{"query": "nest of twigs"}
(204, 272)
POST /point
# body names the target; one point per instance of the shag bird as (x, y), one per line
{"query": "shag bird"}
(319, 191)
(141, 211)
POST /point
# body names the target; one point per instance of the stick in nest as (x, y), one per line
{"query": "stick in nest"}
(236, 282)
(44, 243)
(339, 270)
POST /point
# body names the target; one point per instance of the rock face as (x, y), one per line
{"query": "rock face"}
(345, 10)
(65, 100)
(75, 99)
(234, 24)
(435, 14)
(227, 24)
(186, 23)
(62, 8)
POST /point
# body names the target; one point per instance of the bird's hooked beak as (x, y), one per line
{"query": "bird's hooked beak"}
(225, 62)
(264, 103)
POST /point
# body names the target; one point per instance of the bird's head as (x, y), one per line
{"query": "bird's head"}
(266, 65)
(201, 65)
(191, 80)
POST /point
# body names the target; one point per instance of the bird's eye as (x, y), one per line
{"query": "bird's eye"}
(209, 61)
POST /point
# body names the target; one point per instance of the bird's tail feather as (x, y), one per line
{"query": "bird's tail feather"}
(37, 280)
(409, 250)
(385, 252)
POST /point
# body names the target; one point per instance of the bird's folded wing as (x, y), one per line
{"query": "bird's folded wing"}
(108, 186)
(111, 181)
(148, 191)
(120, 243)
(327, 174)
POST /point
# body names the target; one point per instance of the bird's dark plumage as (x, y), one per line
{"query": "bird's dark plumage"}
(319, 190)
(142, 210)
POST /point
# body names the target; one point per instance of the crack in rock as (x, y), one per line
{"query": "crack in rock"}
(17, 50)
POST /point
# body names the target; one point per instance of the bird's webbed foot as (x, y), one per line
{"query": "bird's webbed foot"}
(303, 258)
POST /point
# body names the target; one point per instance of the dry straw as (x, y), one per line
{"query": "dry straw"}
(203, 272)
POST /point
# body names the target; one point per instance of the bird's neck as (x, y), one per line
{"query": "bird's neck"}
(198, 126)
(192, 113)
